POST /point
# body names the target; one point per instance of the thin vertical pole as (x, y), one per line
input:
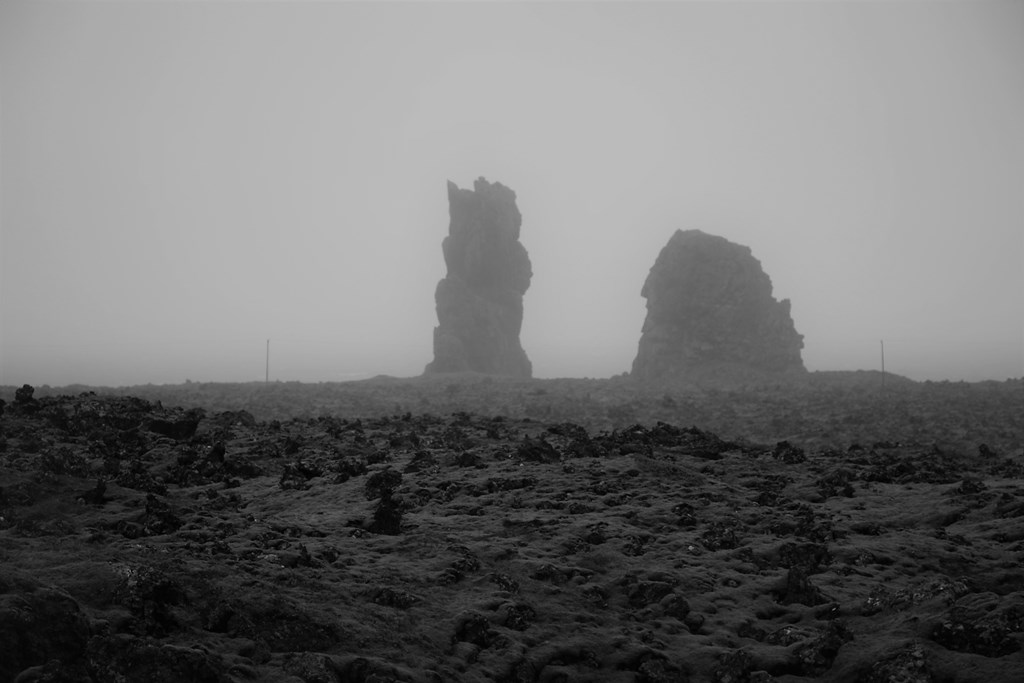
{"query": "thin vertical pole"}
(882, 343)
(266, 380)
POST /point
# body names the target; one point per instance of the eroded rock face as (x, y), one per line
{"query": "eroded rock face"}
(710, 309)
(480, 301)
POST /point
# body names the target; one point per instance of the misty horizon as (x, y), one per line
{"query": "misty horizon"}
(180, 182)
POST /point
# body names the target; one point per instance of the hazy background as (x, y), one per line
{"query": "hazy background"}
(183, 180)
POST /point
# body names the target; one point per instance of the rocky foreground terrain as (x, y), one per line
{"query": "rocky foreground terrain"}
(143, 542)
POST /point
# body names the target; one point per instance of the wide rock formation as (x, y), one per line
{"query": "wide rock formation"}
(710, 310)
(480, 301)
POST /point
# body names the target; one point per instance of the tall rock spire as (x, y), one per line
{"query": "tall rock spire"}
(480, 300)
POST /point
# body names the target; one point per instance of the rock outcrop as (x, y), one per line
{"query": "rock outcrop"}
(480, 301)
(710, 311)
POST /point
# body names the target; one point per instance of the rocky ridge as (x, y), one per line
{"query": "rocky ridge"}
(480, 300)
(139, 542)
(710, 311)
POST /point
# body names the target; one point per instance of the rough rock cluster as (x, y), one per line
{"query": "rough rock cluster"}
(710, 309)
(480, 300)
(144, 543)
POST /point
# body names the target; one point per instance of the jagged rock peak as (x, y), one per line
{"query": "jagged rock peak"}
(480, 300)
(710, 310)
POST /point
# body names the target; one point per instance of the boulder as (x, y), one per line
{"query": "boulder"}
(480, 300)
(24, 394)
(38, 624)
(710, 311)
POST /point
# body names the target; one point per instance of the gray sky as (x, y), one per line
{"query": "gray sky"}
(183, 180)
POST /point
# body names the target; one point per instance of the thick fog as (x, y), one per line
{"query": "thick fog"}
(183, 181)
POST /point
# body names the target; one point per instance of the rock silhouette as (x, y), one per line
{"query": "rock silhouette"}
(480, 300)
(710, 309)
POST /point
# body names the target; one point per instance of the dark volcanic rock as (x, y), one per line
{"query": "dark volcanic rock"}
(709, 307)
(982, 624)
(480, 301)
(799, 589)
(179, 426)
(127, 658)
(468, 548)
(908, 665)
(24, 394)
(38, 624)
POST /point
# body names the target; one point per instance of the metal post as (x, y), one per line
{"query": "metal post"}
(267, 378)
